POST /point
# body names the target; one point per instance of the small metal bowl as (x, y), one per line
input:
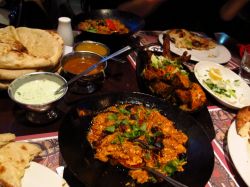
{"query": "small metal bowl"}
(88, 83)
(37, 112)
(92, 46)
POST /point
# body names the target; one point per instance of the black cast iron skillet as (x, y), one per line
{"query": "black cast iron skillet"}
(133, 22)
(201, 115)
(79, 156)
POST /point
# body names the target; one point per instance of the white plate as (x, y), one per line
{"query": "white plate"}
(242, 91)
(40, 176)
(239, 151)
(219, 54)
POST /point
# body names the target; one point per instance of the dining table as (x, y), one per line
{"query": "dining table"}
(121, 77)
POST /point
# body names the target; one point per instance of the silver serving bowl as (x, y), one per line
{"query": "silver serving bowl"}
(88, 83)
(91, 47)
(38, 112)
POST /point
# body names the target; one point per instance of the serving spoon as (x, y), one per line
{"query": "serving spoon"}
(155, 172)
(89, 69)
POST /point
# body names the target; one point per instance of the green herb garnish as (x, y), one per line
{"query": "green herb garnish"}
(110, 129)
(112, 117)
(172, 166)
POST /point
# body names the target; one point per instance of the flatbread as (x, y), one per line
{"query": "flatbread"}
(26, 48)
(14, 158)
(243, 121)
(44, 44)
(9, 37)
(6, 138)
(189, 40)
(6, 74)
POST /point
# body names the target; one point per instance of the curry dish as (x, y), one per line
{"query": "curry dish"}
(79, 64)
(103, 26)
(133, 135)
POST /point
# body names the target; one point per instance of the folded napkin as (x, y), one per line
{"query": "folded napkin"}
(243, 47)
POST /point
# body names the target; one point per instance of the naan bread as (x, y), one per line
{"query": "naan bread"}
(6, 138)
(9, 38)
(6, 74)
(14, 158)
(44, 44)
(189, 40)
(26, 48)
(243, 121)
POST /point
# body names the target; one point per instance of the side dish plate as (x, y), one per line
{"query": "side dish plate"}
(40, 176)
(220, 54)
(79, 155)
(242, 90)
(236, 145)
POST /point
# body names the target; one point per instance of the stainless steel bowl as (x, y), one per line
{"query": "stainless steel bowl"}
(88, 83)
(88, 49)
(38, 113)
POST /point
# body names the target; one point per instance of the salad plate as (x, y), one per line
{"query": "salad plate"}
(224, 85)
(220, 54)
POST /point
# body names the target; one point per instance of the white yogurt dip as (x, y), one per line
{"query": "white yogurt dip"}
(37, 92)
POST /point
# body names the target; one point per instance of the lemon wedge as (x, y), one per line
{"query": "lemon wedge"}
(214, 74)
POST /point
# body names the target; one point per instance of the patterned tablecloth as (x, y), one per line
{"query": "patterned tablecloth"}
(224, 173)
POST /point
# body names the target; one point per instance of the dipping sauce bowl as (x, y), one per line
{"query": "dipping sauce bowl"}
(92, 46)
(36, 93)
(75, 63)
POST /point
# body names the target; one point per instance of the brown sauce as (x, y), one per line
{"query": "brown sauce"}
(79, 64)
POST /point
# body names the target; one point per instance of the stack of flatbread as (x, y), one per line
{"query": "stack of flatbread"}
(14, 158)
(25, 50)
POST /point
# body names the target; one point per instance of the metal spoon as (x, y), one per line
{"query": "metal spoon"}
(92, 67)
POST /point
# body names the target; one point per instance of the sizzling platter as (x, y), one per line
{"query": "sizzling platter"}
(164, 75)
(201, 114)
(113, 40)
(135, 136)
(79, 155)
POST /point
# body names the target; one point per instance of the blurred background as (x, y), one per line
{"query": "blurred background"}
(195, 15)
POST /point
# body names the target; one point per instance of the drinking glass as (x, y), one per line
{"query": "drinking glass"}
(245, 66)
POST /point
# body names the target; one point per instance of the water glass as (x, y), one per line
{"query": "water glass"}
(245, 66)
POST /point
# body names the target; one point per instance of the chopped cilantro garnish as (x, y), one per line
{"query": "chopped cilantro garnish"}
(112, 117)
(147, 156)
(110, 128)
(172, 166)
(143, 127)
(119, 139)
(124, 111)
